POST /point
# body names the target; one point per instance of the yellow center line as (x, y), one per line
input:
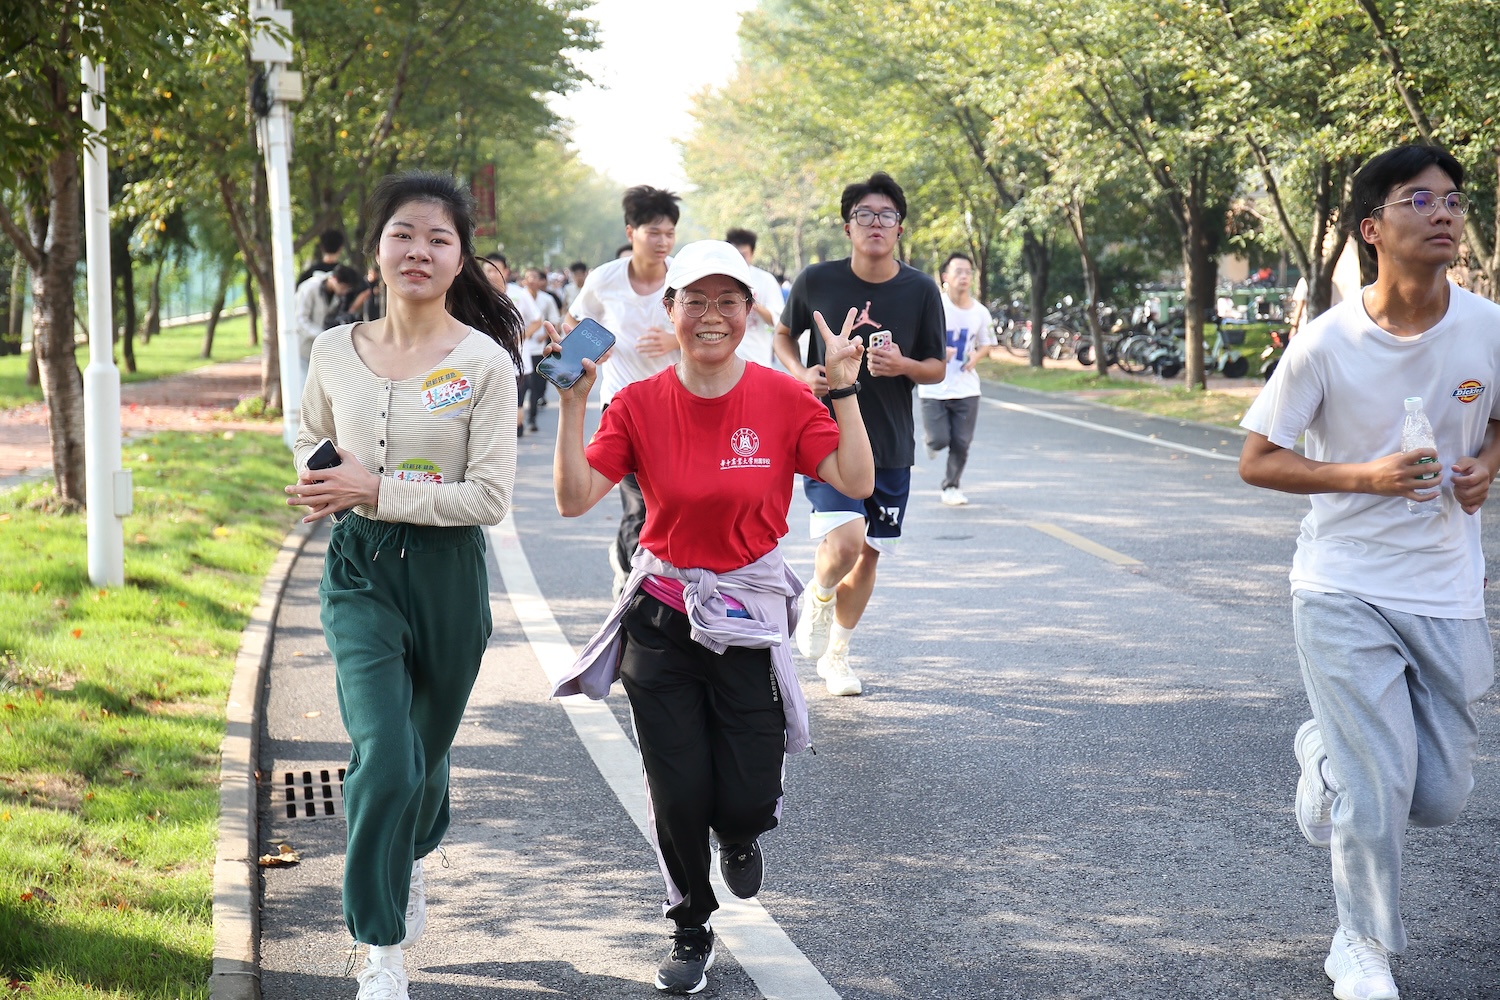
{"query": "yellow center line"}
(1083, 544)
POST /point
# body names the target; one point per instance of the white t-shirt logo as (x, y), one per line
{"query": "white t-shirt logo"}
(745, 442)
(1469, 390)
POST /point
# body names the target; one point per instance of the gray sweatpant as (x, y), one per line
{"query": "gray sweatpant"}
(1394, 697)
(949, 423)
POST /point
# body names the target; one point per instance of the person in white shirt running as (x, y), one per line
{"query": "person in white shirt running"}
(950, 409)
(765, 311)
(625, 296)
(1387, 604)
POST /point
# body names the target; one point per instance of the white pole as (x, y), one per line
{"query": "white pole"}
(279, 188)
(108, 487)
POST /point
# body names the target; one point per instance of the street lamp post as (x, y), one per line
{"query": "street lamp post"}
(271, 46)
(106, 485)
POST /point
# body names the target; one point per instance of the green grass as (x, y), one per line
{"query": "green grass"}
(112, 703)
(172, 351)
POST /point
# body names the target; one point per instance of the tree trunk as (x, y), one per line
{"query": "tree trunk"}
(16, 316)
(10, 334)
(1077, 223)
(153, 307)
(252, 309)
(218, 307)
(1198, 280)
(122, 280)
(52, 330)
(270, 353)
(1037, 257)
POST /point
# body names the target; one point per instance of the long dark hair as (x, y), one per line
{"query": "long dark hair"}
(471, 298)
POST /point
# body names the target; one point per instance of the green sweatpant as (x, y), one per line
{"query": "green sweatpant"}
(407, 617)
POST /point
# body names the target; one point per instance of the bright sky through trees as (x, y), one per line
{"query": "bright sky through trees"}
(655, 55)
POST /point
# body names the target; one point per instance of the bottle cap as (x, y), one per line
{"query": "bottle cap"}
(1413, 403)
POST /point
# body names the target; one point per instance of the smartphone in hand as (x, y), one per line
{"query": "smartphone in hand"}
(586, 340)
(326, 456)
(879, 339)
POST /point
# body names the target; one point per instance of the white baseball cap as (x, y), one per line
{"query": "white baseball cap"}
(705, 257)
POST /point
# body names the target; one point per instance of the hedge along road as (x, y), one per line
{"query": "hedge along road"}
(1070, 776)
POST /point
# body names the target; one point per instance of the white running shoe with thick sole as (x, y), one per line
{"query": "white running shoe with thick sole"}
(833, 667)
(953, 497)
(1314, 805)
(1360, 969)
(814, 624)
(381, 982)
(416, 906)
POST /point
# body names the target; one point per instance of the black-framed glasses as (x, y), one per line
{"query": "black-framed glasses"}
(1426, 203)
(868, 217)
(729, 306)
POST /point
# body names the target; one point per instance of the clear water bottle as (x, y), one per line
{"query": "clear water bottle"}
(1416, 432)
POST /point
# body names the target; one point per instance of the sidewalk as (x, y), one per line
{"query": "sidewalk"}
(199, 400)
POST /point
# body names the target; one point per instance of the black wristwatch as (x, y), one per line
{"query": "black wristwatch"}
(848, 390)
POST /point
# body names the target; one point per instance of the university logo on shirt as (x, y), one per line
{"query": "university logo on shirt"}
(744, 443)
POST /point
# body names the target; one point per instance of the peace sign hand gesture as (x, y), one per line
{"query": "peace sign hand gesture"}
(841, 353)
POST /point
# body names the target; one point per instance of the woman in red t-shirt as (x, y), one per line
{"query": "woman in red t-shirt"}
(700, 633)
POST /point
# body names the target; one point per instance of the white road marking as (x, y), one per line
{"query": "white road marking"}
(1144, 439)
(768, 956)
(1093, 548)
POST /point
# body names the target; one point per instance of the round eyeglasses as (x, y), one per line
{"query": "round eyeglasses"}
(1426, 203)
(868, 217)
(729, 306)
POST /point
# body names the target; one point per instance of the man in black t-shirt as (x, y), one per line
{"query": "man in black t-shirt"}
(899, 314)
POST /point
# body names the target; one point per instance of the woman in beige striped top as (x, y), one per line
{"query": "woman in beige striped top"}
(419, 404)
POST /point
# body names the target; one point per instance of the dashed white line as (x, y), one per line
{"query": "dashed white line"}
(768, 956)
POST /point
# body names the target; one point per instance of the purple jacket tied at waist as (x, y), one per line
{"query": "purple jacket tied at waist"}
(769, 590)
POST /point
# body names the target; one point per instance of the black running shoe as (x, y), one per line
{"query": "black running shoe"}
(743, 867)
(685, 969)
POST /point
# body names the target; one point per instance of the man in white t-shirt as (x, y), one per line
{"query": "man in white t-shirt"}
(1387, 592)
(950, 408)
(765, 311)
(534, 288)
(625, 296)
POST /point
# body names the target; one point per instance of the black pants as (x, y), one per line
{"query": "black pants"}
(632, 517)
(713, 739)
(533, 388)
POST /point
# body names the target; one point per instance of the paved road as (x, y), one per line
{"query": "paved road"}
(1068, 778)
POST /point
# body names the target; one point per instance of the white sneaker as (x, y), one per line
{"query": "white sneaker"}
(416, 906)
(833, 667)
(382, 982)
(813, 625)
(1360, 968)
(1314, 804)
(954, 497)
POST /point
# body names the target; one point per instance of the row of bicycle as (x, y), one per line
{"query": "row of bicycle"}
(1138, 342)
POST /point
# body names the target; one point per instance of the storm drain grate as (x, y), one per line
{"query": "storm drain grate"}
(313, 794)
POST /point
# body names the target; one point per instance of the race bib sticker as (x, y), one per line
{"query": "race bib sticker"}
(419, 470)
(445, 392)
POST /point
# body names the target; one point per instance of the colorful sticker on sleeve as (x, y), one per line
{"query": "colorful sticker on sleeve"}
(445, 392)
(419, 470)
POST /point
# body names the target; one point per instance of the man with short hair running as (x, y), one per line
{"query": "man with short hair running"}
(765, 311)
(899, 316)
(625, 296)
(1388, 608)
(950, 409)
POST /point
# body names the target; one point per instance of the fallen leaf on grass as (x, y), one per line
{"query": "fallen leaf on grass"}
(284, 858)
(141, 539)
(221, 532)
(5, 816)
(77, 633)
(36, 586)
(18, 986)
(311, 715)
(38, 894)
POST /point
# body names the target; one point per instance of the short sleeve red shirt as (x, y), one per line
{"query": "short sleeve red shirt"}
(717, 474)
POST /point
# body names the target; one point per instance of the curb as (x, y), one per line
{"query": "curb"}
(236, 964)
